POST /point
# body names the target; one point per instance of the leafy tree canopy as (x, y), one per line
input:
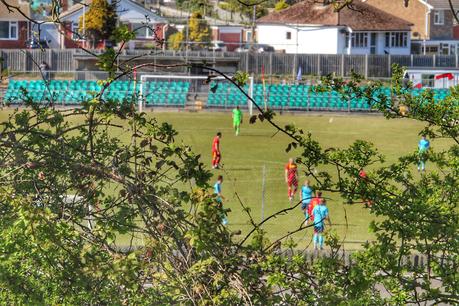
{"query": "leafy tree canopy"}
(100, 20)
(199, 30)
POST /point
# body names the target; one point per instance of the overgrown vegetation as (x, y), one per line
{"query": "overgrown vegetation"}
(69, 189)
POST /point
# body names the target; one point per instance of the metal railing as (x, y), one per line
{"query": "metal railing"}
(280, 64)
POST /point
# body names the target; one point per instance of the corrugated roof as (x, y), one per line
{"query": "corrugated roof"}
(20, 11)
(359, 17)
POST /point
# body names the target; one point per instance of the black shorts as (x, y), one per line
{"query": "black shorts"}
(318, 229)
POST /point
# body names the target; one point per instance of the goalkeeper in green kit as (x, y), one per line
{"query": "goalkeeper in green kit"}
(237, 119)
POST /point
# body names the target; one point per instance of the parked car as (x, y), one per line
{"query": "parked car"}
(37, 44)
(218, 46)
(259, 48)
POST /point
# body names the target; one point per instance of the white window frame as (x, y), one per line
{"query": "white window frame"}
(11, 24)
(359, 40)
(75, 29)
(149, 33)
(392, 39)
(439, 17)
(248, 36)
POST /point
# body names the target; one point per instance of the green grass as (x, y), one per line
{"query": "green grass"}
(244, 156)
(259, 146)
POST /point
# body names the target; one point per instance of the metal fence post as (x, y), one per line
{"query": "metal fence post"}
(247, 62)
(318, 64)
(263, 187)
(342, 65)
(50, 59)
(411, 60)
(389, 66)
(294, 66)
(366, 66)
(434, 60)
(270, 63)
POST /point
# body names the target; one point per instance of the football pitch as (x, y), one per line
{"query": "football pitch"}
(258, 147)
(259, 152)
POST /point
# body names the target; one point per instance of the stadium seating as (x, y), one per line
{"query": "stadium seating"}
(74, 92)
(300, 97)
(175, 93)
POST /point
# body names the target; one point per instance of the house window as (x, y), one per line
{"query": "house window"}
(444, 49)
(248, 36)
(359, 40)
(76, 35)
(8, 30)
(428, 80)
(143, 30)
(289, 35)
(429, 50)
(439, 17)
(396, 39)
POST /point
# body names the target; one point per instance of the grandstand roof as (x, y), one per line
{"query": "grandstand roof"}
(358, 16)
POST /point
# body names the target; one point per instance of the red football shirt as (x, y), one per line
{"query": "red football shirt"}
(291, 172)
(216, 144)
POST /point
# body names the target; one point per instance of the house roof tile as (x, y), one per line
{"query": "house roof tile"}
(75, 8)
(19, 10)
(443, 4)
(358, 16)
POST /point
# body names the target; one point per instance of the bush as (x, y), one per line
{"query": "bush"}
(174, 41)
(281, 5)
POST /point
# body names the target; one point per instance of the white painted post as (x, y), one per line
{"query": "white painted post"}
(140, 94)
(251, 96)
(263, 188)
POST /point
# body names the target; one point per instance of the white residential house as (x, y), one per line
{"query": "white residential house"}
(435, 30)
(312, 28)
(146, 23)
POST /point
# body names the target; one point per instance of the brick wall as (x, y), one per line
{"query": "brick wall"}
(20, 42)
(456, 32)
(444, 31)
(232, 40)
(414, 13)
(68, 41)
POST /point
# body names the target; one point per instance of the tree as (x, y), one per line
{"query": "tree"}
(261, 8)
(202, 6)
(99, 21)
(281, 5)
(175, 41)
(198, 31)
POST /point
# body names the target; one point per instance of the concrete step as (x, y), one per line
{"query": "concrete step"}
(195, 105)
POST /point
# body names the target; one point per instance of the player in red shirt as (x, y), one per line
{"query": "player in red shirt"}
(364, 179)
(313, 203)
(216, 154)
(291, 173)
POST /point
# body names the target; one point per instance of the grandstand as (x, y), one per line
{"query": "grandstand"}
(219, 94)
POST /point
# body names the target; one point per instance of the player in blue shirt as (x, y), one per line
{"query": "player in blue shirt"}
(306, 196)
(320, 213)
(423, 147)
(218, 192)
